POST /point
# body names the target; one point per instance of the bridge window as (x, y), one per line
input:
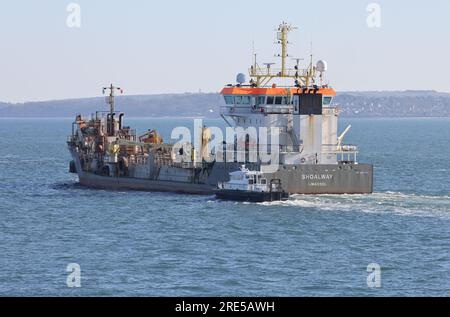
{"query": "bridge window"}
(242, 100)
(327, 101)
(270, 100)
(229, 100)
(278, 100)
(261, 100)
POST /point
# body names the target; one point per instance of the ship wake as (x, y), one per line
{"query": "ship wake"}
(378, 203)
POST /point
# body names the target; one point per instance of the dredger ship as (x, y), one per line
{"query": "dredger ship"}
(311, 155)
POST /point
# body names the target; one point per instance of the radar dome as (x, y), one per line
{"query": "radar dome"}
(322, 66)
(240, 78)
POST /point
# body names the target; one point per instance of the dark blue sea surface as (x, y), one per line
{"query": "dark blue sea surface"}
(140, 243)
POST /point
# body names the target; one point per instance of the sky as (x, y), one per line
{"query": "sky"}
(155, 47)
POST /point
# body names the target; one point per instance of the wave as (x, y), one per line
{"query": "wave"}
(380, 202)
(63, 186)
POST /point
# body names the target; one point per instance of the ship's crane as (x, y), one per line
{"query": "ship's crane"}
(342, 136)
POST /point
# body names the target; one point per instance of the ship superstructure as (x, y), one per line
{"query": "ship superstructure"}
(311, 156)
(303, 111)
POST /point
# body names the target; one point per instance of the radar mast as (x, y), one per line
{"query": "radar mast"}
(261, 76)
(111, 98)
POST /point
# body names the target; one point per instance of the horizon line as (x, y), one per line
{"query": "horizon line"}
(215, 92)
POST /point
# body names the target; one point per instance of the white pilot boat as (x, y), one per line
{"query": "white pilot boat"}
(252, 186)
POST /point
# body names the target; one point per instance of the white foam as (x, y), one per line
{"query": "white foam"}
(381, 202)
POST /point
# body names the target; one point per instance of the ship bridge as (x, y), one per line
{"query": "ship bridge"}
(238, 98)
(303, 111)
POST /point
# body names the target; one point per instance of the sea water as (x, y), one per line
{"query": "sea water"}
(163, 244)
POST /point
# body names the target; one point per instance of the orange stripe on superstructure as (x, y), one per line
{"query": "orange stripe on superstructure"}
(273, 91)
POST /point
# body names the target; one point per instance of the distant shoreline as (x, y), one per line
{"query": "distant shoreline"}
(366, 92)
(207, 105)
(219, 118)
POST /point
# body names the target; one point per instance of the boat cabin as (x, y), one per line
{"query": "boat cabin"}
(247, 180)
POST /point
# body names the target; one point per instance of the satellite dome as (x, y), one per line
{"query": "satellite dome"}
(322, 66)
(240, 78)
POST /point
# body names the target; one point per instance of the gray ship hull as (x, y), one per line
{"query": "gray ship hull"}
(326, 179)
(295, 179)
(126, 183)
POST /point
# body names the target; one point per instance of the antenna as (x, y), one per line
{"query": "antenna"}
(254, 54)
(282, 38)
(311, 69)
(297, 60)
(268, 65)
(297, 65)
(302, 77)
(110, 99)
(253, 47)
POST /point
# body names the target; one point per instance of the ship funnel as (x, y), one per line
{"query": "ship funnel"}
(121, 121)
